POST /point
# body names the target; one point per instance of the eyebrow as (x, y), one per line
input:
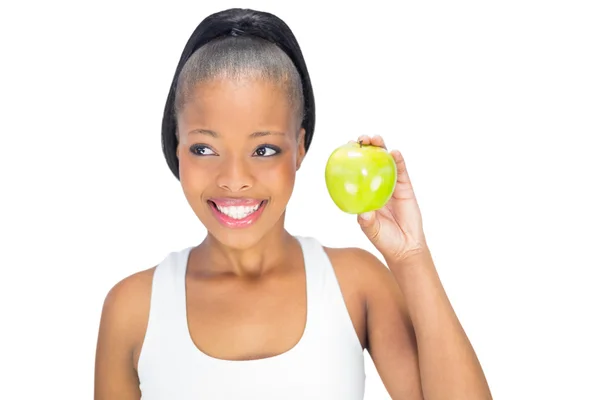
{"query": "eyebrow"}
(252, 135)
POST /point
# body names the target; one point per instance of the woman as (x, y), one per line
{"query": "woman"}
(253, 311)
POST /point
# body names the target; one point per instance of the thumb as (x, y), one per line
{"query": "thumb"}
(369, 223)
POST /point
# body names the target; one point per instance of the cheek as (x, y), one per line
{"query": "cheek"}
(193, 179)
(280, 176)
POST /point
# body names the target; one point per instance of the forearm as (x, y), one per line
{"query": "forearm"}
(448, 364)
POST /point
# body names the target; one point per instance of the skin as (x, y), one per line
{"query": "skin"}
(232, 269)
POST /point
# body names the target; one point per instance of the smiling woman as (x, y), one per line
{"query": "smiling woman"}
(254, 311)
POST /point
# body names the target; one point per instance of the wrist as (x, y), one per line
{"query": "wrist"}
(418, 257)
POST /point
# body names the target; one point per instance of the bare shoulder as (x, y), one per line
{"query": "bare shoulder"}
(360, 271)
(361, 267)
(127, 307)
(390, 338)
(122, 329)
(130, 292)
(364, 281)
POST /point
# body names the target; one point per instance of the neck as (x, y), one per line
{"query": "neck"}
(270, 253)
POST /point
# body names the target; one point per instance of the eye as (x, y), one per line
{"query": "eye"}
(201, 150)
(267, 151)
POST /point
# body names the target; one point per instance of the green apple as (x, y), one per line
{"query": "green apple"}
(360, 178)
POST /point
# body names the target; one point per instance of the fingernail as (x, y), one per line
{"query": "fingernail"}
(367, 216)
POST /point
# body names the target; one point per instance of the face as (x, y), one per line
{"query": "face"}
(239, 150)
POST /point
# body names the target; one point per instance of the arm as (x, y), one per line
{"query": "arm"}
(449, 366)
(122, 326)
(391, 340)
(415, 339)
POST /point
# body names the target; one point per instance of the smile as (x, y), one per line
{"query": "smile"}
(237, 213)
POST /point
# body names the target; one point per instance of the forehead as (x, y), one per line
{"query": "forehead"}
(225, 102)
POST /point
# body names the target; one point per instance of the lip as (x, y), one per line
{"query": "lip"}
(232, 201)
(233, 223)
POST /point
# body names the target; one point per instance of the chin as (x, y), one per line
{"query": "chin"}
(236, 240)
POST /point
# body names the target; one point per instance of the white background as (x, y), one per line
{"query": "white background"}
(495, 105)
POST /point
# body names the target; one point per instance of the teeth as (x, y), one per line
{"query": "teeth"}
(238, 212)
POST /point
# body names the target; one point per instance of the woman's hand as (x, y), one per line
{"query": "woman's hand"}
(395, 229)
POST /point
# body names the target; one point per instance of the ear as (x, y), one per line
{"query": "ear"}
(301, 151)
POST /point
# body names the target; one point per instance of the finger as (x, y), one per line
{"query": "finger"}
(364, 139)
(377, 140)
(400, 167)
(370, 224)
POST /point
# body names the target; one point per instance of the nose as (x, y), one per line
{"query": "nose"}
(234, 176)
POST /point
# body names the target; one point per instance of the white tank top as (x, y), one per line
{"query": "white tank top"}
(327, 363)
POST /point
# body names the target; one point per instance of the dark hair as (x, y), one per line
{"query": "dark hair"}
(237, 22)
(240, 58)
